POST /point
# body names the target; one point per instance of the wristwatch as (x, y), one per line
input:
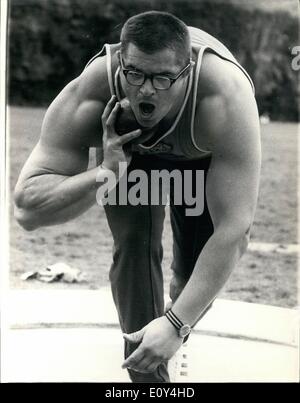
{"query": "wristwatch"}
(183, 329)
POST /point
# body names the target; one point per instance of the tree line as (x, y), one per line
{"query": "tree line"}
(50, 41)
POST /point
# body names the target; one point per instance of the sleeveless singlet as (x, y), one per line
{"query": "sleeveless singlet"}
(178, 142)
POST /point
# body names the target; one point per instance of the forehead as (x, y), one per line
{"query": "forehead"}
(162, 61)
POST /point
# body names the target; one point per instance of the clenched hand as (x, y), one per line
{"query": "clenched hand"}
(113, 150)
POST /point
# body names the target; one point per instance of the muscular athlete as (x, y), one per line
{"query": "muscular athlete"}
(199, 103)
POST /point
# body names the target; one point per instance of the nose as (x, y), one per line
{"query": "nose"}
(147, 88)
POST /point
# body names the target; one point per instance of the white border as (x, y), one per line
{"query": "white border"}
(4, 173)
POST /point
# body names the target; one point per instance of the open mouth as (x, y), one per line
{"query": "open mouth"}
(146, 109)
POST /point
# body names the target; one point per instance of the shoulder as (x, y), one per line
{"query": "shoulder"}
(221, 77)
(73, 116)
(225, 94)
(224, 91)
(92, 84)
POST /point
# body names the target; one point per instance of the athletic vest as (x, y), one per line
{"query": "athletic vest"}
(178, 142)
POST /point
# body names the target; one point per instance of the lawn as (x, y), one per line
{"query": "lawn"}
(85, 243)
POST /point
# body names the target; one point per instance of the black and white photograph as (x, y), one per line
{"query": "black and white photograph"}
(149, 193)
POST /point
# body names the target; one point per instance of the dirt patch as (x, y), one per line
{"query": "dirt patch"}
(86, 243)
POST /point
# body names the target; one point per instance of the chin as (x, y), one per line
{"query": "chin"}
(147, 124)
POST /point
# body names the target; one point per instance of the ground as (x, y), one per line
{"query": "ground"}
(85, 243)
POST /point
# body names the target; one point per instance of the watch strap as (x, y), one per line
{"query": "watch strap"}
(176, 322)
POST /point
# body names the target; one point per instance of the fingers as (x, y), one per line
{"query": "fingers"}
(140, 362)
(146, 366)
(110, 122)
(152, 366)
(135, 337)
(133, 360)
(109, 117)
(109, 106)
(125, 138)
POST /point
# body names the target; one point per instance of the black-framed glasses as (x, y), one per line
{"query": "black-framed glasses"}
(159, 81)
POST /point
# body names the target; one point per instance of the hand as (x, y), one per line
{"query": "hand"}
(159, 342)
(113, 143)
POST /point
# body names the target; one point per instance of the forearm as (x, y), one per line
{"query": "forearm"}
(32, 218)
(212, 269)
(53, 199)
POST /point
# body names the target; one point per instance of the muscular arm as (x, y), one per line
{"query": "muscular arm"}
(231, 190)
(55, 185)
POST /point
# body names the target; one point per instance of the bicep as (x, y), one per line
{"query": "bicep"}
(233, 177)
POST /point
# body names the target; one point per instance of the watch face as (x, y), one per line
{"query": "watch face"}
(185, 330)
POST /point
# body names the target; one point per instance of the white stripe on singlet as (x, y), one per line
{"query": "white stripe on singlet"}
(108, 68)
(197, 75)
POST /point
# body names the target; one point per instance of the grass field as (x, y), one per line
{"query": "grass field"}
(85, 243)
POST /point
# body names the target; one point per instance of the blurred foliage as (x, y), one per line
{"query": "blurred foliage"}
(50, 41)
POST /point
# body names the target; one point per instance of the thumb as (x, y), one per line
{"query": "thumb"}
(135, 337)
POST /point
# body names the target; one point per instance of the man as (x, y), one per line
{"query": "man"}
(196, 107)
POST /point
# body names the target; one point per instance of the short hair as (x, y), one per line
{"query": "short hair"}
(153, 31)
